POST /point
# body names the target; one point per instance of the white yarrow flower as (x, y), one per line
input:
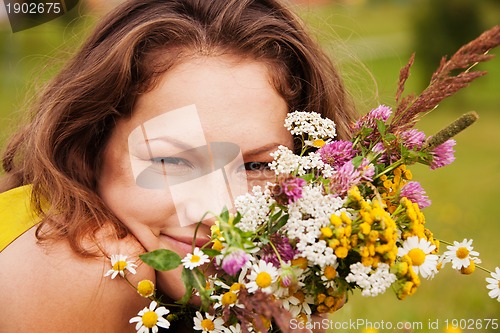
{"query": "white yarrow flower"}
(254, 208)
(311, 124)
(372, 283)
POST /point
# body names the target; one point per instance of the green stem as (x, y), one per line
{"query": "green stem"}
(390, 168)
(445, 242)
(277, 253)
(483, 269)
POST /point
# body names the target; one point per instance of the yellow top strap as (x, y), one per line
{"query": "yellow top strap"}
(16, 214)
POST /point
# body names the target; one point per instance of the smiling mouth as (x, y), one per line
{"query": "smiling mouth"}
(187, 241)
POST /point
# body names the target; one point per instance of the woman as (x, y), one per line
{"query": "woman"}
(154, 83)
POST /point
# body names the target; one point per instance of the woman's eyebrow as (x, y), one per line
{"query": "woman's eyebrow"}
(270, 147)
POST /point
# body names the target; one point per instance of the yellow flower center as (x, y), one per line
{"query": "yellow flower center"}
(235, 287)
(149, 319)
(195, 258)
(207, 325)
(300, 296)
(145, 288)
(417, 257)
(318, 143)
(462, 253)
(119, 265)
(263, 280)
(229, 298)
(330, 272)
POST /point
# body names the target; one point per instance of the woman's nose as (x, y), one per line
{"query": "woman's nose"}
(203, 198)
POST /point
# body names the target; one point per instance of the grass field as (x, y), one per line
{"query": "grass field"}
(370, 43)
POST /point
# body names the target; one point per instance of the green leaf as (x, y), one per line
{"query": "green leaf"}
(381, 127)
(200, 285)
(279, 224)
(308, 177)
(275, 216)
(211, 252)
(237, 218)
(390, 137)
(162, 259)
(356, 161)
(224, 216)
(365, 131)
(188, 280)
(264, 239)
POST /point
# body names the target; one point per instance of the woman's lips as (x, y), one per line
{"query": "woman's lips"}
(185, 243)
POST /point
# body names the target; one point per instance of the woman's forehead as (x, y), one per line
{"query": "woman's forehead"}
(217, 98)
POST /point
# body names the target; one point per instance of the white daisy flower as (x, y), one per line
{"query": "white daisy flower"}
(227, 299)
(494, 284)
(119, 264)
(151, 318)
(262, 276)
(298, 304)
(195, 259)
(208, 324)
(460, 254)
(233, 329)
(328, 275)
(419, 250)
(230, 297)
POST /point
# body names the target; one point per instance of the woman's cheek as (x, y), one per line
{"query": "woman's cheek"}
(170, 283)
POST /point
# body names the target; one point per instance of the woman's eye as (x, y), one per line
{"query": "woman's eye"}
(170, 161)
(256, 166)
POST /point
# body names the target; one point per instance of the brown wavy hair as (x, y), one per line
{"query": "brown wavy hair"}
(60, 149)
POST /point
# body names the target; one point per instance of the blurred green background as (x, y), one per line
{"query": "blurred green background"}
(370, 41)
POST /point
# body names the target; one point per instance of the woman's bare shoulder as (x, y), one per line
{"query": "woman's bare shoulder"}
(52, 289)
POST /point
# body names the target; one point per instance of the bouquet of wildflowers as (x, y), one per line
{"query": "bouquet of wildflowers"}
(341, 216)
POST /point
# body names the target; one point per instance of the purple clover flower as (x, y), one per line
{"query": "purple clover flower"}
(284, 248)
(414, 192)
(369, 120)
(345, 178)
(292, 188)
(379, 149)
(337, 153)
(413, 139)
(443, 154)
(234, 261)
(366, 170)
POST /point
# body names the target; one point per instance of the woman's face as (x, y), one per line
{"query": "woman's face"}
(203, 136)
